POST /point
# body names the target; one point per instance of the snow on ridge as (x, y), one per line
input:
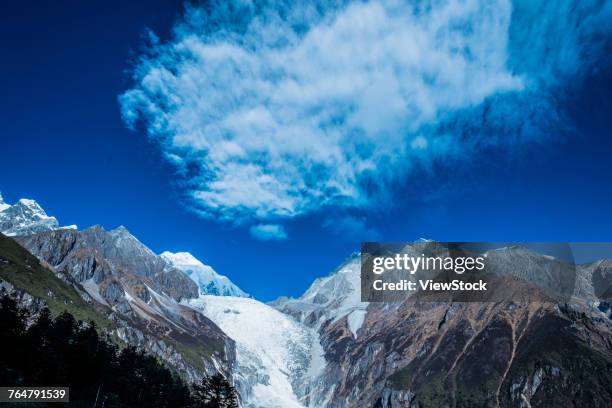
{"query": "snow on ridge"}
(182, 258)
(26, 217)
(29, 203)
(339, 294)
(355, 320)
(208, 280)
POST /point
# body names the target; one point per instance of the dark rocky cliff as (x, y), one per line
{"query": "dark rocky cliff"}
(137, 292)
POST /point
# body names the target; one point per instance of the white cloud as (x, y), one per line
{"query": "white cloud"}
(268, 232)
(278, 110)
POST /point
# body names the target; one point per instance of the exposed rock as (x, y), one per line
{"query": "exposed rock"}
(138, 291)
(416, 354)
(395, 399)
(24, 300)
(100, 254)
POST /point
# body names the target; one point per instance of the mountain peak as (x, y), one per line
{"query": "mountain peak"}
(123, 234)
(208, 280)
(25, 217)
(26, 202)
(121, 229)
(183, 258)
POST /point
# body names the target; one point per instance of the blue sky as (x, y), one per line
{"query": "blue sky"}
(271, 141)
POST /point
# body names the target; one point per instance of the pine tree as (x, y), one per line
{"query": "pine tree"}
(232, 398)
(74, 354)
(215, 392)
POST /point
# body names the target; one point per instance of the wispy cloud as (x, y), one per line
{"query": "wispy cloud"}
(268, 232)
(275, 110)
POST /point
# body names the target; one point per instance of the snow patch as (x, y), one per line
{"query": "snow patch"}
(3, 204)
(208, 280)
(355, 321)
(336, 295)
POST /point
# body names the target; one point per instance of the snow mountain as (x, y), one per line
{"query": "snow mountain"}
(412, 354)
(277, 358)
(208, 280)
(330, 298)
(26, 217)
(326, 348)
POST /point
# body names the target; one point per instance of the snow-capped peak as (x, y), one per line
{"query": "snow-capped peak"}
(25, 217)
(121, 230)
(330, 298)
(208, 280)
(33, 205)
(182, 258)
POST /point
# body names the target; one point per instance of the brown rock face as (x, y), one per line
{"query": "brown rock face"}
(139, 291)
(97, 253)
(467, 355)
(427, 354)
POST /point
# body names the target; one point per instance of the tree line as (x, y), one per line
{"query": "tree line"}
(61, 351)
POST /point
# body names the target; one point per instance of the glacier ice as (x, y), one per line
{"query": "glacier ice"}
(277, 357)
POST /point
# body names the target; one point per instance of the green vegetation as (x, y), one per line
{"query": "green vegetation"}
(63, 352)
(193, 353)
(24, 271)
(431, 393)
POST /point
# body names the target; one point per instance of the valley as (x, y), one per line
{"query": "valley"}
(325, 349)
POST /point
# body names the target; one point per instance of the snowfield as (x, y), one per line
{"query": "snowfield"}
(277, 357)
(331, 298)
(208, 280)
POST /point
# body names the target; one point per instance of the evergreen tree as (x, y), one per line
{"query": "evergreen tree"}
(12, 328)
(64, 352)
(215, 392)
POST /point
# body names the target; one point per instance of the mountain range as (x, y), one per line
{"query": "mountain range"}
(325, 349)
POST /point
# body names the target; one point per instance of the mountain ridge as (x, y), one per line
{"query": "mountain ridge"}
(329, 349)
(26, 216)
(208, 280)
(134, 288)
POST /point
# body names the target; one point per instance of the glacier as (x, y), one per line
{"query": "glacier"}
(277, 357)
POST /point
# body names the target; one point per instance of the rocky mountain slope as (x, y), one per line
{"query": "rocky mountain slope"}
(139, 291)
(35, 286)
(412, 354)
(326, 349)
